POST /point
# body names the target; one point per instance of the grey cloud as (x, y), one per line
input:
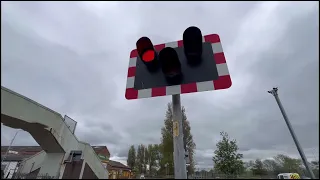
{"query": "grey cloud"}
(173, 18)
(63, 70)
(97, 134)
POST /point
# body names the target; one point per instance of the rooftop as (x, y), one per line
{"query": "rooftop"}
(36, 149)
(118, 164)
(21, 152)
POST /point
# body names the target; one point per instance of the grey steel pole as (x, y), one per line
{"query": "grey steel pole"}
(274, 92)
(180, 171)
(5, 155)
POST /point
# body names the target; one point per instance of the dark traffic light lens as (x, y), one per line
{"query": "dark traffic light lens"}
(170, 65)
(192, 43)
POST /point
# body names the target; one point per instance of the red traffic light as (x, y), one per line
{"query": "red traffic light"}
(192, 43)
(148, 56)
(145, 49)
(170, 65)
(147, 53)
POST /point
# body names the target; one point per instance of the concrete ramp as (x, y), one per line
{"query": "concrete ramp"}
(42, 123)
(49, 130)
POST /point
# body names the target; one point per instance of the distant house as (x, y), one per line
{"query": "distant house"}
(116, 169)
(102, 152)
(17, 154)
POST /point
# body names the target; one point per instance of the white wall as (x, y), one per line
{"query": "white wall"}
(32, 163)
(51, 164)
(68, 140)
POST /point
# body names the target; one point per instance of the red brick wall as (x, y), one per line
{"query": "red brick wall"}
(102, 151)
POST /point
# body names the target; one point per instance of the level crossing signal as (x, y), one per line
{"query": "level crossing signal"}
(196, 63)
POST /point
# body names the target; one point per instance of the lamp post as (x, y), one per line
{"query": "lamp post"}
(5, 155)
(274, 92)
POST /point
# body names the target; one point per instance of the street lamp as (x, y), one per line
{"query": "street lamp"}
(10, 145)
(274, 92)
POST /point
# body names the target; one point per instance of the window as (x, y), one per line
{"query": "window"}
(74, 156)
(281, 177)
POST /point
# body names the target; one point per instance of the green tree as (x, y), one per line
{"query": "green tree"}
(188, 141)
(151, 158)
(131, 160)
(272, 167)
(160, 160)
(166, 162)
(146, 159)
(258, 168)
(315, 168)
(288, 164)
(143, 159)
(140, 159)
(227, 160)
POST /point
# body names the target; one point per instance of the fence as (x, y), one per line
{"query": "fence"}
(210, 176)
(30, 176)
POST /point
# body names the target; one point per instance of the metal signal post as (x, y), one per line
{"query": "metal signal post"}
(180, 171)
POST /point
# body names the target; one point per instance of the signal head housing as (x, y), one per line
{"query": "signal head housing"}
(192, 43)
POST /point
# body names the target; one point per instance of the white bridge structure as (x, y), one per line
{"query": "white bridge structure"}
(63, 155)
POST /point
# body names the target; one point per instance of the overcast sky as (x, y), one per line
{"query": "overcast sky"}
(73, 58)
